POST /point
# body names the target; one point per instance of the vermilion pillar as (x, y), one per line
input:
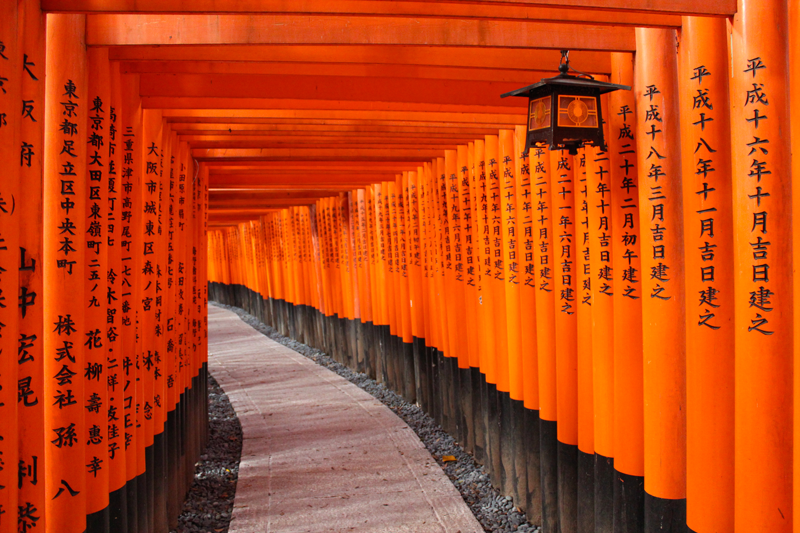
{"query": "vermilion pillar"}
(512, 409)
(64, 198)
(794, 72)
(485, 295)
(528, 330)
(466, 172)
(130, 197)
(146, 304)
(12, 157)
(510, 259)
(705, 127)
(585, 381)
(663, 302)
(541, 187)
(601, 246)
(628, 403)
(115, 349)
(495, 267)
(453, 260)
(95, 299)
(762, 251)
(526, 271)
(30, 397)
(564, 219)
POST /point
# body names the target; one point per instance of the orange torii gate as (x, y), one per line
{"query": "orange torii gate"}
(611, 333)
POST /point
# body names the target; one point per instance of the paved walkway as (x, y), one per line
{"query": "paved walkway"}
(320, 454)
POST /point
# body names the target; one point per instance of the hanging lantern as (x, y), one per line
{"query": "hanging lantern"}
(564, 112)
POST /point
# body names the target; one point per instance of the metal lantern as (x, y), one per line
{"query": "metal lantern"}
(564, 112)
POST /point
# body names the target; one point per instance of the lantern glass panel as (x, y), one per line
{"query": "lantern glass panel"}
(577, 111)
(539, 113)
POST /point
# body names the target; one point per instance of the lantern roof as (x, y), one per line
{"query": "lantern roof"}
(570, 82)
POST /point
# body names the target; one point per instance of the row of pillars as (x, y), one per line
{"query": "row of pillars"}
(633, 308)
(103, 397)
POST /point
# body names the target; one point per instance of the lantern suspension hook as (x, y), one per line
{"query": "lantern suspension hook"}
(564, 66)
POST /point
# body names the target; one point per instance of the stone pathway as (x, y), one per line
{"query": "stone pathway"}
(320, 454)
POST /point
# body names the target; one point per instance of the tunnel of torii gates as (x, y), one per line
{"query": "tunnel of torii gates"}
(611, 334)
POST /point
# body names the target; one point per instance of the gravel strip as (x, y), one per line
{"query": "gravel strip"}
(209, 503)
(495, 512)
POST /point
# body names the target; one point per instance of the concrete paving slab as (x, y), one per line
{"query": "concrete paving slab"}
(320, 454)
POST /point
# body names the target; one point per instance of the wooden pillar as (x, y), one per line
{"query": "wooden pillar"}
(762, 251)
(585, 335)
(147, 303)
(115, 349)
(663, 309)
(528, 327)
(705, 127)
(510, 259)
(794, 84)
(497, 285)
(130, 144)
(64, 193)
(564, 221)
(13, 154)
(453, 260)
(30, 397)
(541, 187)
(469, 236)
(602, 245)
(488, 346)
(526, 271)
(628, 402)
(95, 291)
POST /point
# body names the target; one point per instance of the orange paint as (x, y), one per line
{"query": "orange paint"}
(495, 267)
(29, 349)
(527, 271)
(565, 228)
(511, 258)
(764, 339)
(663, 298)
(484, 246)
(584, 278)
(628, 417)
(464, 252)
(10, 222)
(95, 298)
(65, 329)
(709, 340)
(541, 186)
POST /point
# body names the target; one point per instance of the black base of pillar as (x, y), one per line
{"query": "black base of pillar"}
(586, 487)
(436, 386)
(662, 515)
(493, 424)
(548, 449)
(479, 430)
(628, 503)
(603, 494)
(140, 511)
(467, 414)
(409, 376)
(507, 472)
(99, 522)
(420, 371)
(520, 482)
(533, 507)
(568, 487)
(160, 520)
(118, 510)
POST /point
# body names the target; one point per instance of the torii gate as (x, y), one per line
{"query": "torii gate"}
(658, 366)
